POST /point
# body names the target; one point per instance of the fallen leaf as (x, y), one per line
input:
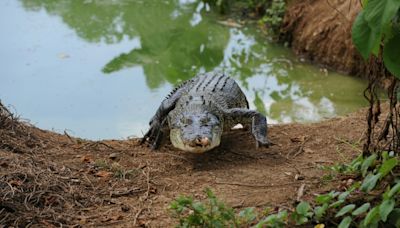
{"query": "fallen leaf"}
(117, 217)
(103, 173)
(86, 158)
(298, 139)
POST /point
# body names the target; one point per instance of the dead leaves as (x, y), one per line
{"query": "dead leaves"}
(104, 174)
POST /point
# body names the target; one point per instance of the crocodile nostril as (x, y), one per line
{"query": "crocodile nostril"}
(202, 141)
(197, 141)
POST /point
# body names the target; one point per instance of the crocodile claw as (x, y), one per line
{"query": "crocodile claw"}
(263, 143)
(154, 135)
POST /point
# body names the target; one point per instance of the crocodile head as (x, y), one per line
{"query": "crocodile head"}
(195, 132)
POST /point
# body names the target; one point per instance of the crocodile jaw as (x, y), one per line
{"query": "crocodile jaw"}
(177, 142)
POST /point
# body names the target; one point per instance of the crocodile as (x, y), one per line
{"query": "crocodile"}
(198, 110)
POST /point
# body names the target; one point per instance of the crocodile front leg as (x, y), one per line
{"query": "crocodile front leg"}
(155, 134)
(258, 123)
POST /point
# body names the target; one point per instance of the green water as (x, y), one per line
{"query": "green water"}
(100, 68)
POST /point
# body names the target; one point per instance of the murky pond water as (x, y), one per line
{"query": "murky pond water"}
(100, 68)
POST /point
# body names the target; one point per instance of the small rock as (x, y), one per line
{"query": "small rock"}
(113, 156)
(349, 182)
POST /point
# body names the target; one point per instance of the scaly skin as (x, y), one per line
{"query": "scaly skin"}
(197, 112)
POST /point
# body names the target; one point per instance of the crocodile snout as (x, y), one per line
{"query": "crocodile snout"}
(201, 142)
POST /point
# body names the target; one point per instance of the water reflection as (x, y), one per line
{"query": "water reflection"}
(174, 40)
(169, 41)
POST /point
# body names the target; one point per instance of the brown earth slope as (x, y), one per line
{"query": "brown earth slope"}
(50, 179)
(320, 31)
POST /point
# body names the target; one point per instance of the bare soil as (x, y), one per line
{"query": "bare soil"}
(49, 179)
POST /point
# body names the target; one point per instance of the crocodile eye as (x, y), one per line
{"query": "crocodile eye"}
(205, 121)
(187, 121)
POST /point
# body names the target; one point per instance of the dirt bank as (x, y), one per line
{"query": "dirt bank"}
(50, 179)
(320, 31)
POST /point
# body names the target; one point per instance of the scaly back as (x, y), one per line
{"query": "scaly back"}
(217, 88)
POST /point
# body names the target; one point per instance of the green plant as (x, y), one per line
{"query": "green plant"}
(378, 24)
(211, 214)
(214, 213)
(302, 214)
(383, 209)
(371, 201)
(274, 14)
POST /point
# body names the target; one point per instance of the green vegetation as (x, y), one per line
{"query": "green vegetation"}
(271, 12)
(370, 201)
(274, 14)
(378, 25)
(214, 213)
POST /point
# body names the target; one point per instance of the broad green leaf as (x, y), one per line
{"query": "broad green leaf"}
(337, 203)
(362, 209)
(283, 214)
(385, 155)
(394, 217)
(198, 207)
(363, 36)
(358, 160)
(387, 32)
(385, 208)
(343, 195)
(346, 209)
(325, 198)
(367, 163)
(372, 216)
(277, 220)
(301, 220)
(395, 189)
(369, 182)
(248, 214)
(320, 211)
(345, 222)
(398, 91)
(303, 208)
(391, 55)
(378, 13)
(388, 165)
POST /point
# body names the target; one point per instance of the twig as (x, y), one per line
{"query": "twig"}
(338, 11)
(256, 185)
(124, 193)
(349, 144)
(147, 175)
(69, 137)
(137, 216)
(300, 192)
(299, 150)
